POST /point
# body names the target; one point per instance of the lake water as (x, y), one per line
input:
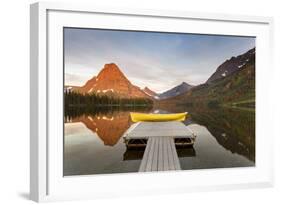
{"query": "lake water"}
(93, 141)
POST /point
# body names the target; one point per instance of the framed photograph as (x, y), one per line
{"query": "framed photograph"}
(154, 101)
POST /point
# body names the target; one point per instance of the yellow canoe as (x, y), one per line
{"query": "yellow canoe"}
(144, 117)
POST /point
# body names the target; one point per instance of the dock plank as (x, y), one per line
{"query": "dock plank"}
(145, 157)
(160, 158)
(154, 166)
(165, 156)
(150, 155)
(171, 165)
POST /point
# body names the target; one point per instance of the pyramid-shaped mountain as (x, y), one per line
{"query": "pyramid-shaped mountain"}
(111, 81)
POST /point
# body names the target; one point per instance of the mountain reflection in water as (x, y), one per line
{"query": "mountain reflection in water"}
(225, 138)
(109, 128)
(109, 124)
(234, 129)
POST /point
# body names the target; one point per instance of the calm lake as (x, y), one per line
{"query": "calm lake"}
(93, 141)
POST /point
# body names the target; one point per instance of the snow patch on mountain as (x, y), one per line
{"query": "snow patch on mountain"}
(107, 90)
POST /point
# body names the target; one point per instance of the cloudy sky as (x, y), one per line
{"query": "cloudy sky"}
(157, 60)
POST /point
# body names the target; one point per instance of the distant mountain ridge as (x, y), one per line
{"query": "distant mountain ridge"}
(232, 65)
(178, 90)
(237, 86)
(150, 92)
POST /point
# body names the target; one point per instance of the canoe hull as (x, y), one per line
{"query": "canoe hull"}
(144, 117)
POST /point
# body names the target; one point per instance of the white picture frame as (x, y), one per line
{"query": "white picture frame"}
(46, 180)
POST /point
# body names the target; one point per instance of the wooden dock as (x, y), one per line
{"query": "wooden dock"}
(160, 155)
(144, 130)
(160, 140)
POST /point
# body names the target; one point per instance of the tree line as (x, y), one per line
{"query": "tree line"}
(73, 99)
